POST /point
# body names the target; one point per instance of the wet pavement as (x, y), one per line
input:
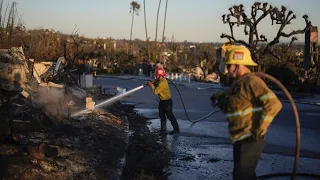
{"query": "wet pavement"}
(203, 151)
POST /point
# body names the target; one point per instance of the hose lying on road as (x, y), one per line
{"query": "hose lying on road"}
(185, 110)
(297, 121)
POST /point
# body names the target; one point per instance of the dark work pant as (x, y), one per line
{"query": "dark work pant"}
(246, 155)
(165, 110)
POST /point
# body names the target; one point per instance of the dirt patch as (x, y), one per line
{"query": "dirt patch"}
(94, 146)
(147, 157)
(44, 147)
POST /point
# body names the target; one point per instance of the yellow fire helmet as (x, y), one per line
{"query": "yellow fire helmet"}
(239, 55)
(227, 46)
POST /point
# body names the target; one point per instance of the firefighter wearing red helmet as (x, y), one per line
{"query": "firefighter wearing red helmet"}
(160, 72)
(161, 88)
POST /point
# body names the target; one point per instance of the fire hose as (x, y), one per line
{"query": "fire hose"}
(184, 107)
(185, 110)
(297, 122)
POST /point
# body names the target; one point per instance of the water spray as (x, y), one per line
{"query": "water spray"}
(108, 101)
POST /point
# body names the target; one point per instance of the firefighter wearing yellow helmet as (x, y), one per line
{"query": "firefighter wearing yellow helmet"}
(250, 106)
(221, 55)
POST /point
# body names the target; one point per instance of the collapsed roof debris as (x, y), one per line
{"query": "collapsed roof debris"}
(36, 100)
(24, 77)
(21, 75)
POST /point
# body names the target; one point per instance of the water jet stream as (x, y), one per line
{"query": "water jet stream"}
(109, 100)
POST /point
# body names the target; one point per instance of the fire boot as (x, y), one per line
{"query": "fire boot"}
(175, 131)
(163, 126)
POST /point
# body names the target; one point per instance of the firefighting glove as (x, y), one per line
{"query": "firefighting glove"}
(214, 100)
(257, 135)
(150, 83)
(218, 98)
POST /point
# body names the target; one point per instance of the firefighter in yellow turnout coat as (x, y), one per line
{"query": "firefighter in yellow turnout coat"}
(161, 88)
(250, 107)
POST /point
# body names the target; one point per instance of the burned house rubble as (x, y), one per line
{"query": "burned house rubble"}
(35, 80)
(38, 137)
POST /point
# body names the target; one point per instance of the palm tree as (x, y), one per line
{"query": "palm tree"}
(145, 26)
(134, 9)
(164, 26)
(164, 23)
(155, 40)
(145, 18)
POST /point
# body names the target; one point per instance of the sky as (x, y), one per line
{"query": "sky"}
(191, 20)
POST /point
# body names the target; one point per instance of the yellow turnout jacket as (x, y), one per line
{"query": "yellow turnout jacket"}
(249, 107)
(161, 89)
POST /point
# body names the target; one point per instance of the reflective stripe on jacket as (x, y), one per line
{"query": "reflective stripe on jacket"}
(250, 106)
(162, 89)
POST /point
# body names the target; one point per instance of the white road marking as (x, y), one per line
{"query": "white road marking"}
(313, 114)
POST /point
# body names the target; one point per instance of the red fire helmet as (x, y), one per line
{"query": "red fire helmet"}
(160, 72)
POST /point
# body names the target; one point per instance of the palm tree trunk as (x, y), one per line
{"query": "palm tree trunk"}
(145, 18)
(1, 15)
(164, 23)
(145, 26)
(164, 26)
(155, 40)
(131, 31)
